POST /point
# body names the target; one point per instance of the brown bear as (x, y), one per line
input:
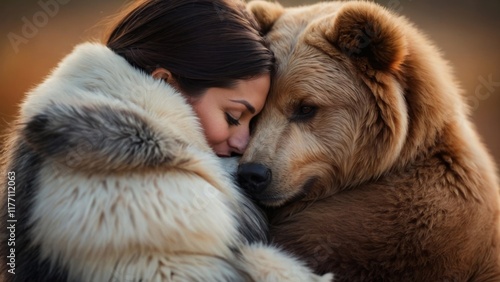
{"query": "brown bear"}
(364, 154)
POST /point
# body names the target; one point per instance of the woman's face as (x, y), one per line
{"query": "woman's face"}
(225, 113)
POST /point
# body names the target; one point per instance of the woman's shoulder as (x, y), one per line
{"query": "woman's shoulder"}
(116, 116)
(93, 72)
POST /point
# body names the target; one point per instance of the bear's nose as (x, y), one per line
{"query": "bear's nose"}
(254, 177)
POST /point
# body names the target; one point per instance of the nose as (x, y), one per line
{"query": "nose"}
(254, 177)
(239, 142)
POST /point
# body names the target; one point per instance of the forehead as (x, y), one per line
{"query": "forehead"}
(315, 79)
(288, 38)
(253, 90)
(288, 31)
(304, 71)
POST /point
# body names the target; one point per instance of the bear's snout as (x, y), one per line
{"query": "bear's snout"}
(254, 177)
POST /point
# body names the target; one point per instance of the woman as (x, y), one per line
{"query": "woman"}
(115, 158)
(209, 51)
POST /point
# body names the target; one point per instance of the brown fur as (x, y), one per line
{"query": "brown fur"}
(387, 178)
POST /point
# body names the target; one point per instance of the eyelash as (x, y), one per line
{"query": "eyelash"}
(231, 120)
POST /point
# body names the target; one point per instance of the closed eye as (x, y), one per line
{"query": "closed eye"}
(231, 120)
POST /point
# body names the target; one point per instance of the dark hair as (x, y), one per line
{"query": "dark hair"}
(203, 43)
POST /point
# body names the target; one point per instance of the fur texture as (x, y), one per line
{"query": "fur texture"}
(377, 172)
(115, 182)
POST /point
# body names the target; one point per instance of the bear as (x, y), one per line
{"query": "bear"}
(364, 156)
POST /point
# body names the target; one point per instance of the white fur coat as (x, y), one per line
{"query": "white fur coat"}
(117, 183)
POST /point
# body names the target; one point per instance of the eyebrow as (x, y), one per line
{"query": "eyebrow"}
(249, 107)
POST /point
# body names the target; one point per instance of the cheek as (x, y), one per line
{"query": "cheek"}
(215, 129)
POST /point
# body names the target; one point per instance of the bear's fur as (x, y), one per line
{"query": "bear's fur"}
(377, 172)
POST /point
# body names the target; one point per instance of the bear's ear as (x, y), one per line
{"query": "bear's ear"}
(369, 34)
(266, 13)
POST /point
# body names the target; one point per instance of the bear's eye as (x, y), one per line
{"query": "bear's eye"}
(304, 112)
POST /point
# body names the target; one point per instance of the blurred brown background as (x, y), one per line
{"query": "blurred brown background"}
(36, 34)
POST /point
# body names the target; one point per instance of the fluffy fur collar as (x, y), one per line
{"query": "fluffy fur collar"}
(97, 114)
(95, 96)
